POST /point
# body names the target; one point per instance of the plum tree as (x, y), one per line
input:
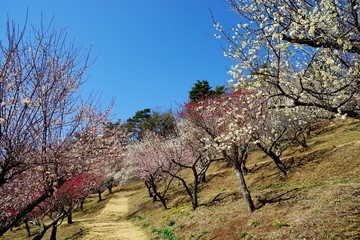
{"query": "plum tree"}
(40, 115)
(306, 51)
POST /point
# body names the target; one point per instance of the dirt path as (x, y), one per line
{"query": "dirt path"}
(111, 223)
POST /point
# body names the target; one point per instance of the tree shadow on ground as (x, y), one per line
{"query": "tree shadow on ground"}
(307, 158)
(221, 197)
(279, 197)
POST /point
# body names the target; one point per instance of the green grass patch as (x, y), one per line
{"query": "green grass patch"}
(165, 233)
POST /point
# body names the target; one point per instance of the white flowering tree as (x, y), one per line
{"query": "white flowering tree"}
(115, 141)
(195, 139)
(282, 128)
(229, 121)
(306, 51)
(40, 115)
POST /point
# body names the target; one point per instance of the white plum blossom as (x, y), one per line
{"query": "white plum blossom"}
(308, 52)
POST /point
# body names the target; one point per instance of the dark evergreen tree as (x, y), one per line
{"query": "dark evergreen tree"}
(202, 90)
(162, 123)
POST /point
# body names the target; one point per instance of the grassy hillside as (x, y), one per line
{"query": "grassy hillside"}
(319, 199)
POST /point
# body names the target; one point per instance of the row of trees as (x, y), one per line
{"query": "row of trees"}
(296, 61)
(221, 127)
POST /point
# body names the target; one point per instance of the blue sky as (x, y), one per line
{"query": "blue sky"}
(150, 53)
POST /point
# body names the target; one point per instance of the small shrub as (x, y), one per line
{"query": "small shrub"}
(171, 223)
(254, 222)
(138, 218)
(317, 211)
(145, 224)
(165, 233)
(243, 234)
(326, 234)
(280, 223)
(181, 226)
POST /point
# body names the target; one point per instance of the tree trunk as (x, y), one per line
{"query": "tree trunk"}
(82, 205)
(162, 200)
(161, 197)
(274, 157)
(278, 162)
(203, 177)
(54, 231)
(194, 200)
(41, 232)
(148, 188)
(27, 228)
(237, 159)
(151, 194)
(109, 187)
(244, 190)
(69, 217)
(243, 157)
(99, 195)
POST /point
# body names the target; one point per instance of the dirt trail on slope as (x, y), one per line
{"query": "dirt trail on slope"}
(111, 223)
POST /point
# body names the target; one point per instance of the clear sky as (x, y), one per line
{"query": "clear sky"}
(150, 52)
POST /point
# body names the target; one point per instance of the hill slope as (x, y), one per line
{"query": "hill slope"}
(318, 199)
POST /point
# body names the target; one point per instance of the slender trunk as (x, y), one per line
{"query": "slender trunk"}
(274, 157)
(27, 228)
(244, 168)
(69, 217)
(162, 200)
(109, 187)
(237, 159)
(194, 199)
(203, 177)
(188, 190)
(148, 188)
(157, 194)
(278, 162)
(99, 195)
(244, 190)
(82, 205)
(151, 194)
(44, 228)
(54, 231)
(41, 232)
(243, 156)
(203, 173)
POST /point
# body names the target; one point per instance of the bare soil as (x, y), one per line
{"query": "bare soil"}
(111, 223)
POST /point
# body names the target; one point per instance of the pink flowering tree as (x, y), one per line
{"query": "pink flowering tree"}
(60, 205)
(145, 161)
(188, 151)
(41, 113)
